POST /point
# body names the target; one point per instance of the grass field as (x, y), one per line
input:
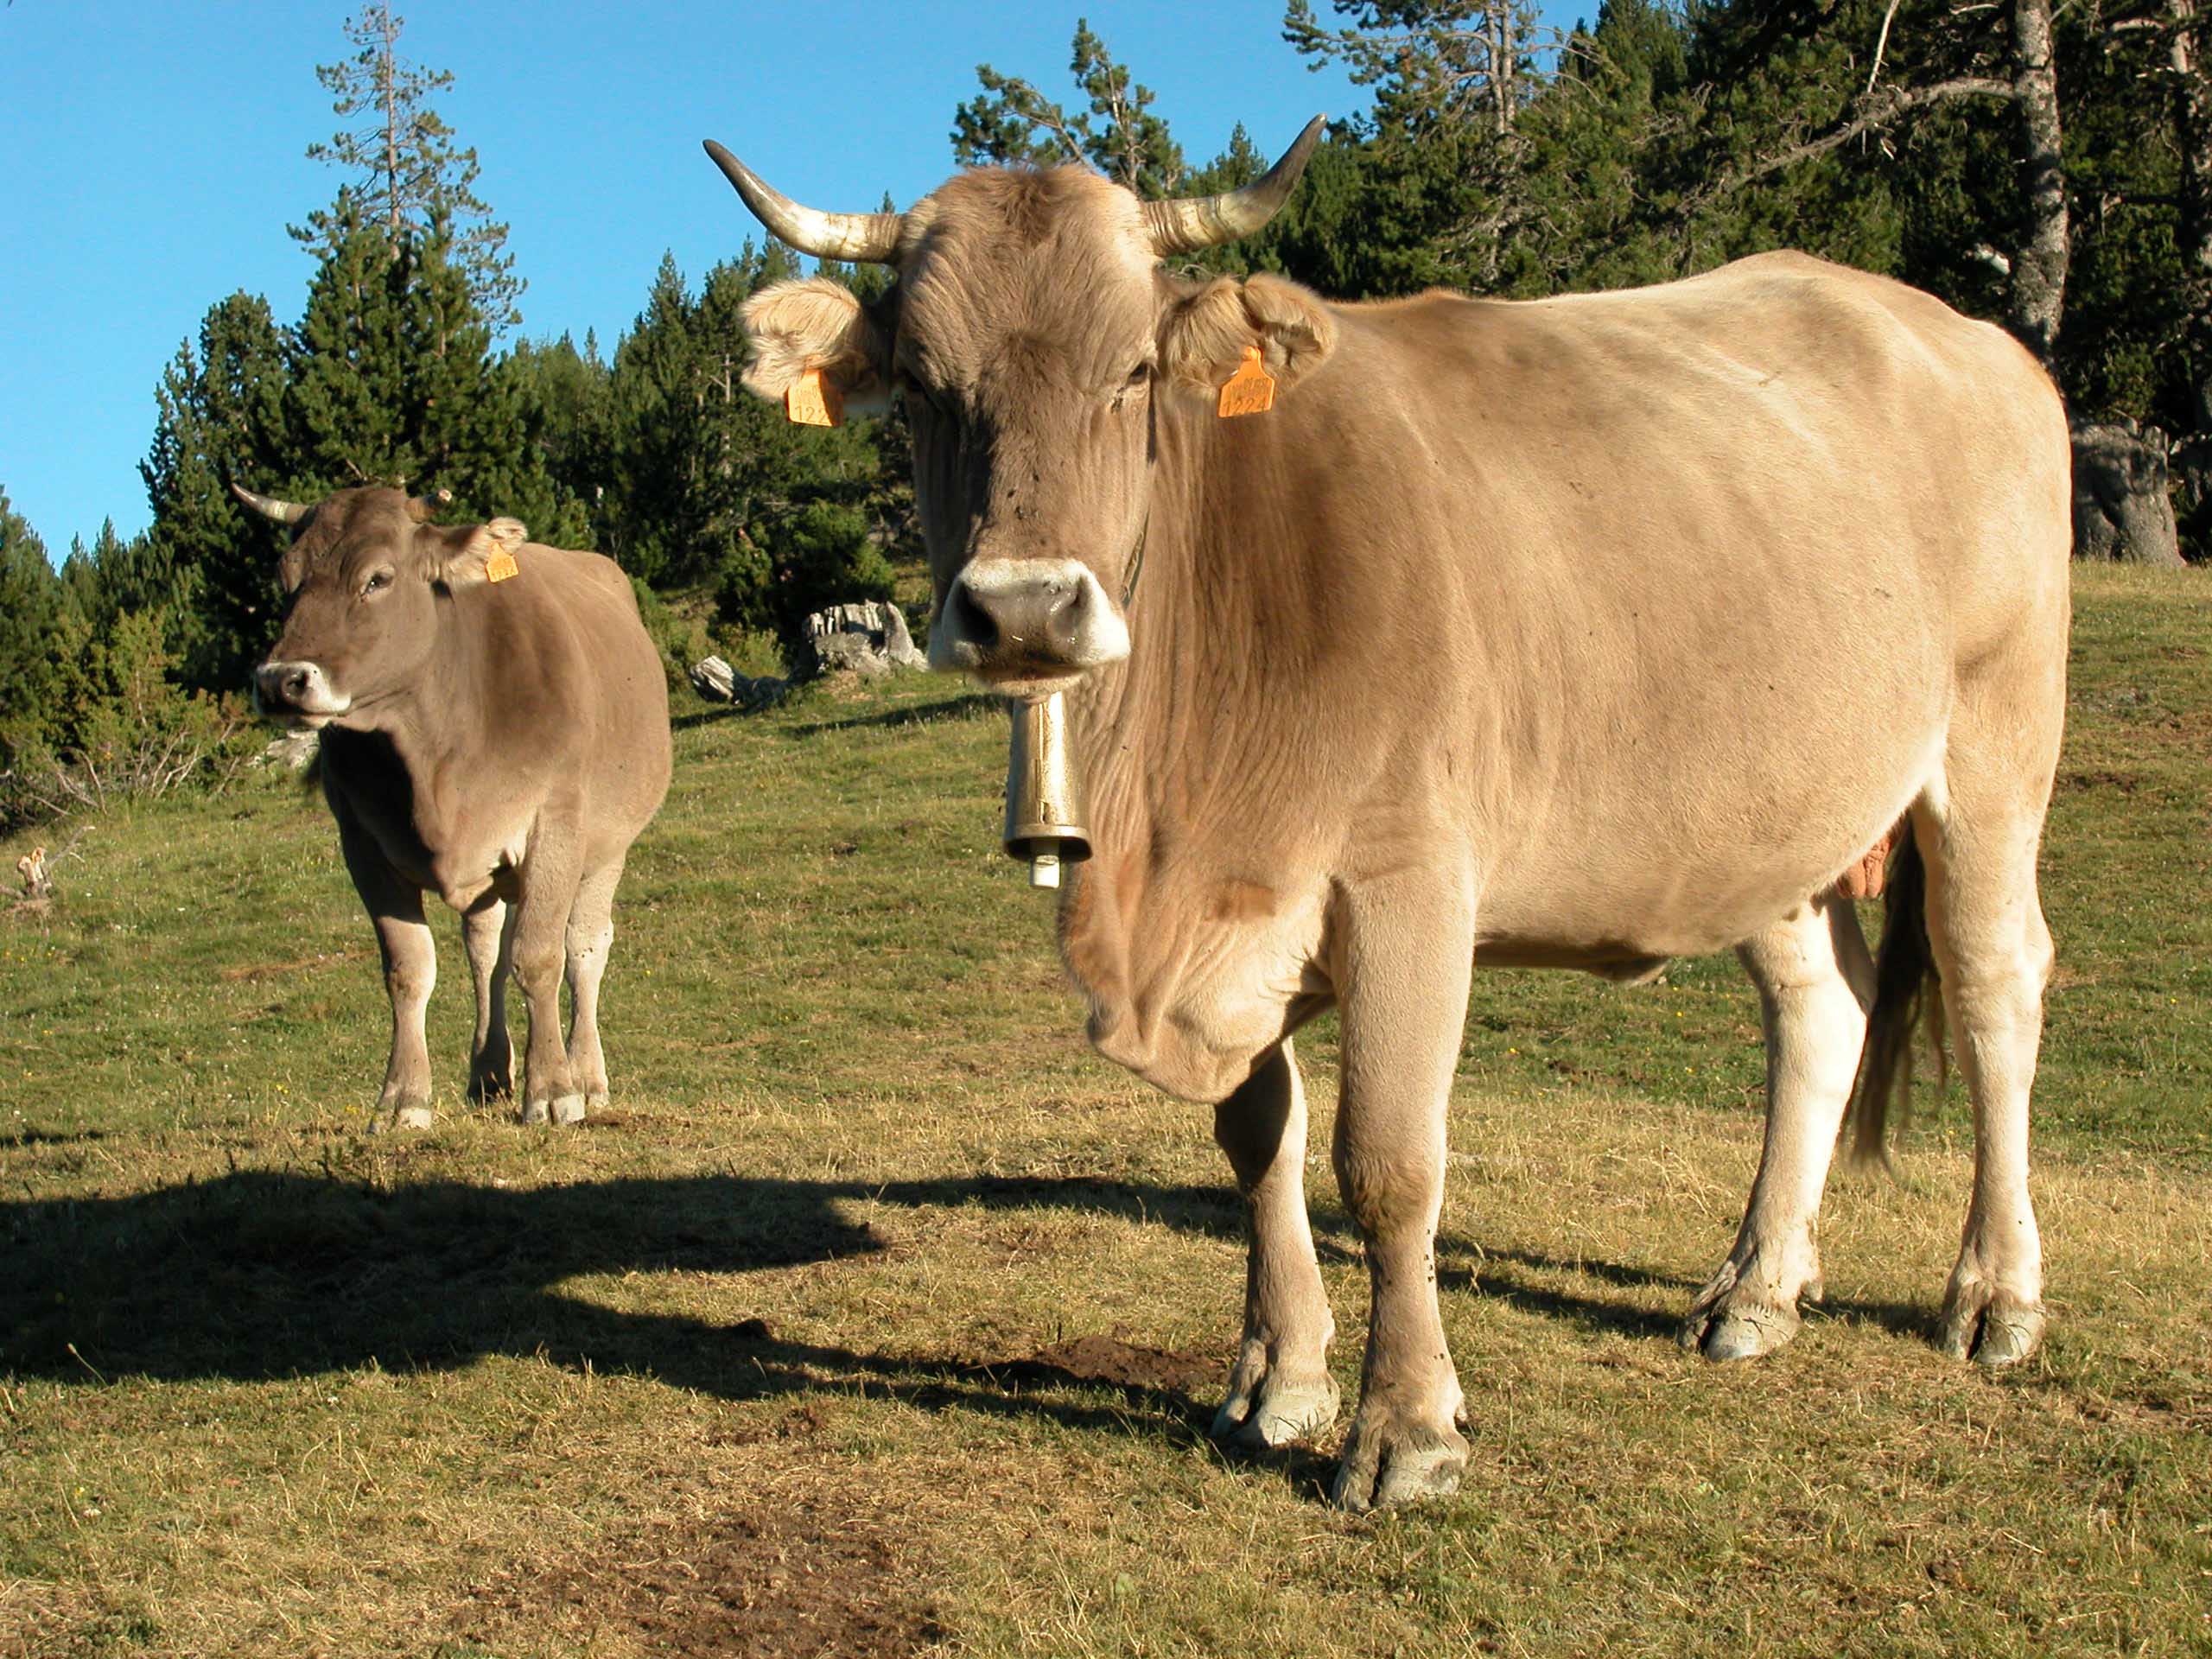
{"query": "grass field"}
(879, 1316)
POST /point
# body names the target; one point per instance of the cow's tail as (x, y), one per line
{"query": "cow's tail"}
(1906, 992)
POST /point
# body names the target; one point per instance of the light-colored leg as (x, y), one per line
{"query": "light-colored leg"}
(1408, 952)
(548, 879)
(1279, 1390)
(1994, 952)
(590, 935)
(489, 940)
(410, 973)
(1816, 984)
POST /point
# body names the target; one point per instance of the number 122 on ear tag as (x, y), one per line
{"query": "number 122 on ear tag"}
(813, 400)
(1250, 391)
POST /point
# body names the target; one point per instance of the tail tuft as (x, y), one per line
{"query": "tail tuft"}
(1905, 989)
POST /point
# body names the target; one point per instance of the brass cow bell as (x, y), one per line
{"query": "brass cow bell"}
(1044, 797)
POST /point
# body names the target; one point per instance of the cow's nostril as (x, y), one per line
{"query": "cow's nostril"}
(971, 624)
(296, 683)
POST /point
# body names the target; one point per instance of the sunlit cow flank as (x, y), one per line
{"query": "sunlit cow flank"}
(1585, 633)
(494, 732)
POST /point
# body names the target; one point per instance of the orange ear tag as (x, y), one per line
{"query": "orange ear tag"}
(500, 566)
(1250, 391)
(813, 400)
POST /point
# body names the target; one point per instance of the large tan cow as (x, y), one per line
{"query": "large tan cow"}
(1585, 633)
(494, 732)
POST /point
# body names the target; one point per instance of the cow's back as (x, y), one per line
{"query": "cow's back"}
(1598, 578)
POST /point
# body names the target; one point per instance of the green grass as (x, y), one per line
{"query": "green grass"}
(780, 1356)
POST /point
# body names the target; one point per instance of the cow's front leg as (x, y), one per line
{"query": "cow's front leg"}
(1816, 982)
(1279, 1390)
(411, 972)
(487, 931)
(1408, 951)
(548, 878)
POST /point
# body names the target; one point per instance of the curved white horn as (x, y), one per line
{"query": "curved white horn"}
(826, 236)
(1189, 223)
(270, 506)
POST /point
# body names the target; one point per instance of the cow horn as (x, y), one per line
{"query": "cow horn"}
(269, 506)
(826, 236)
(1189, 223)
(422, 508)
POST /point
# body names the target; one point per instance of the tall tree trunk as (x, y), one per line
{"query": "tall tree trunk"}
(388, 86)
(2038, 301)
(2193, 131)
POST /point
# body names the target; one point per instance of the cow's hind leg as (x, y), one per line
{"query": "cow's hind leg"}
(488, 934)
(410, 973)
(1992, 950)
(1816, 984)
(1407, 950)
(1279, 1390)
(590, 937)
(549, 880)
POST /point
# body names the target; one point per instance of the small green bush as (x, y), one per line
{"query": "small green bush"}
(814, 556)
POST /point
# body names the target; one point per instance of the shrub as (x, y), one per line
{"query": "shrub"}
(811, 557)
(127, 731)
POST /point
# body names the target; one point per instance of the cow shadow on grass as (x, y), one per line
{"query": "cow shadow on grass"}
(1528, 1279)
(256, 1276)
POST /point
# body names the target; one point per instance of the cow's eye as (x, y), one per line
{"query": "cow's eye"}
(1138, 376)
(378, 582)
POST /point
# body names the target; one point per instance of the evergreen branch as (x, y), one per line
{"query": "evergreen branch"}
(1875, 113)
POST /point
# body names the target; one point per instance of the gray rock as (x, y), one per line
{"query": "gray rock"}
(717, 682)
(870, 638)
(714, 680)
(295, 751)
(2123, 502)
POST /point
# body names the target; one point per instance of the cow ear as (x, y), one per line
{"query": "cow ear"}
(799, 327)
(483, 554)
(1207, 337)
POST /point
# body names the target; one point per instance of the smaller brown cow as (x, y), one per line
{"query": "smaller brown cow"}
(495, 732)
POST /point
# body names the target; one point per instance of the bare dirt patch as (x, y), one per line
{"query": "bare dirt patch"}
(1109, 1361)
(787, 1580)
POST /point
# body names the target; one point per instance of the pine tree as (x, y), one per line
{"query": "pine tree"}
(402, 165)
(37, 640)
(1012, 121)
(219, 420)
(346, 402)
(392, 383)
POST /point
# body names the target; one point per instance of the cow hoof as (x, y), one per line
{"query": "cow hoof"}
(594, 1100)
(1283, 1414)
(568, 1108)
(1383, 1468)
(412, 1115)
(533, 1111)
(1990, 1327)
(1744, 1331)
(1731, 1321)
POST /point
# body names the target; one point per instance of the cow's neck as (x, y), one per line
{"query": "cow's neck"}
(428, 721)
(1183, 837)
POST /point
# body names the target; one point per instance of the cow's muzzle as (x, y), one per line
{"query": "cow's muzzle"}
(296, 691)
(1026, 619)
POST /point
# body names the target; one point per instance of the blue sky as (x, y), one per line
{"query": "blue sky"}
(155, 153)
